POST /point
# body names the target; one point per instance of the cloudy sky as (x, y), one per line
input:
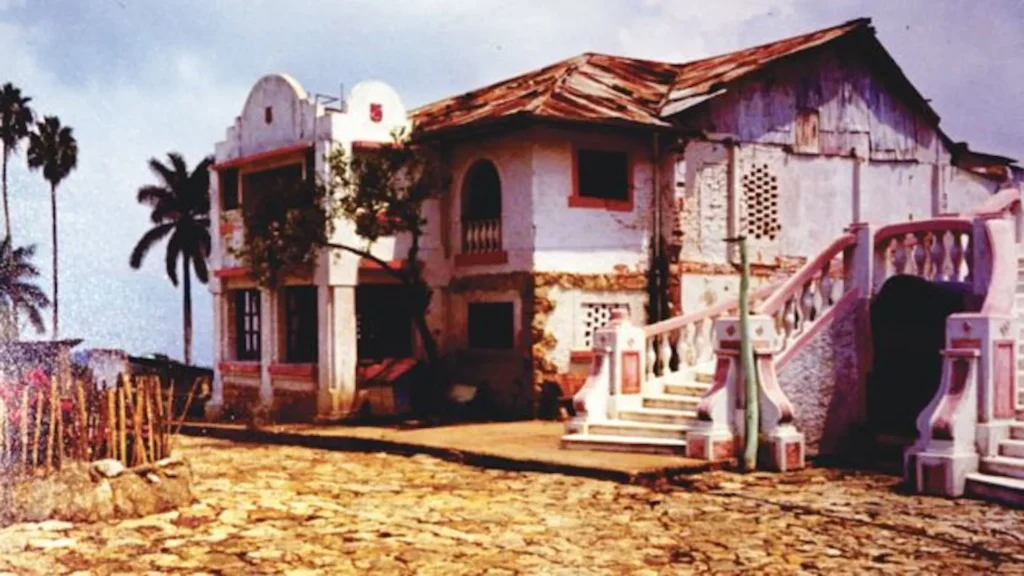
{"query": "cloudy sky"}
(139, 78)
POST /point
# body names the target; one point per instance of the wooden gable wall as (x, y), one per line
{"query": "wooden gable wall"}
(828, 102)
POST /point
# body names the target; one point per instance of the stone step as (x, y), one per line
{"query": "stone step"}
(638, 429)
(659, 415)
(1012, 448)
(704, 377)
(686, 389)
(1003, 466)
(1008, 491)
(1017, 431)
(623, 444)
(678, 403)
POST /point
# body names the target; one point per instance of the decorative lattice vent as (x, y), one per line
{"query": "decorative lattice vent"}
(597, 316)
(759, 217)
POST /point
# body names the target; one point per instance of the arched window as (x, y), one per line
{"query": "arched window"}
(481, 209)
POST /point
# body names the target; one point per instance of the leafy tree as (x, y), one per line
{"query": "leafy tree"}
(380, 193)
(18, 290)
(180, 208)
(15, 123)
(53, 148)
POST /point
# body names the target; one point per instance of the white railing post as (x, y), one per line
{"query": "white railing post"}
(981, 261)
(946, 452)
(616, 375)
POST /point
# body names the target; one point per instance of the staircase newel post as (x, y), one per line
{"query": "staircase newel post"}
(627, 355)
(859, 269)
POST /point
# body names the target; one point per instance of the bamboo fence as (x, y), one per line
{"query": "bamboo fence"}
(43, 424)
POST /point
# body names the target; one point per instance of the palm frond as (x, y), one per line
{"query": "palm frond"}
(151, 237)
(171, 258)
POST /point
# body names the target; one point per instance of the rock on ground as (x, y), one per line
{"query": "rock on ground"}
(283, 510)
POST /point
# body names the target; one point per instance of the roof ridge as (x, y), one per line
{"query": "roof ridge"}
(495, 84)
(852, 25)
(855, 24)
(570, 66)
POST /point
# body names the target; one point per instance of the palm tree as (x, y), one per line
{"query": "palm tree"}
(181, 209)
(15, 121)
(53, 148)
(18, 291)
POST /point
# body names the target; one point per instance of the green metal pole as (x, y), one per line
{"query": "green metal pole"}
(747, 357)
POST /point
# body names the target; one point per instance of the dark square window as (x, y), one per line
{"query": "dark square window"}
(229, 189)
(602, 174)
(300, 305)
(279, 180)
(383, 322)
(490, 325)
(247, 324)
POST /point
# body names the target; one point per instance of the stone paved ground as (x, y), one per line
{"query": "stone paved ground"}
(302, 511)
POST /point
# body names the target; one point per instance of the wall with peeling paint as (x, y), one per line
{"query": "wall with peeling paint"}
(588, 240)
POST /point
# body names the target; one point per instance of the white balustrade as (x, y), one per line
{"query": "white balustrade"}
(481, 236)
(811, 292)
(684, 342)
(938, 250)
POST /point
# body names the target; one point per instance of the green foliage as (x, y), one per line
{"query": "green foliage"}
(16, 118)
(53, 148)
(19, 293)
(380, 192)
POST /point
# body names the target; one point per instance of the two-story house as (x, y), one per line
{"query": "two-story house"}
(576, 190)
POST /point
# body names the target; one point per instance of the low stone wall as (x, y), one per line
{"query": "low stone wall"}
(101, 490)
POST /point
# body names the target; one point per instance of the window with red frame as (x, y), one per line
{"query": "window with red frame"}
(602, 175)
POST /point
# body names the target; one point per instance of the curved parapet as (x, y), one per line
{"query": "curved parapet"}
(374, 111)
(277, 112)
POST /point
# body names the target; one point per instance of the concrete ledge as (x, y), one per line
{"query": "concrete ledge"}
(514, 446)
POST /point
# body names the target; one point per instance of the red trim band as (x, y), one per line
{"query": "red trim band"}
(303, 370)
(268, 155)
(251, 368)
(482, 259)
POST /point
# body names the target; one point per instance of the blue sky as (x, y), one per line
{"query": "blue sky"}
(140, 78)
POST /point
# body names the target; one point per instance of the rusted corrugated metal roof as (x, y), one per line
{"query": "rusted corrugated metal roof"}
(589, 87)
(602, 88)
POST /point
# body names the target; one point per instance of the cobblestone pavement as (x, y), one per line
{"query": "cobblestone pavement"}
(303, 511)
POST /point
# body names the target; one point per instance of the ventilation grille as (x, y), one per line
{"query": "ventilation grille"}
(759, 217)
(598, 316)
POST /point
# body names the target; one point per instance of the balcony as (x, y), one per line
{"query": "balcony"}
(481, 243)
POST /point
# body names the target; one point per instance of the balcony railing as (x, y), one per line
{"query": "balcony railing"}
(481, 236)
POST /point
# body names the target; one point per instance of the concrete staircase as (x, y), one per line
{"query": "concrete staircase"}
(1018, 311)
(657, 425)
(1001, 478)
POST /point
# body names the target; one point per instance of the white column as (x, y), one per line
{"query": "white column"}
(216, 403)
(267, 341)
(336, 392)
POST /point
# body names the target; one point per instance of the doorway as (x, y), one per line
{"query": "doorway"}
(908, 331)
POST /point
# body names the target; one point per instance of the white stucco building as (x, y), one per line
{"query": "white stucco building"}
(563, 180)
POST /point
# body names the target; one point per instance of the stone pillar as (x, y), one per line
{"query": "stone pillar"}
(215, 405)
(626, 361)
(939, 462)
(337, 353)
(719, 430)
(859, 265)
(267, 344)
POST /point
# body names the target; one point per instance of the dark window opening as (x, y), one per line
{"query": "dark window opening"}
(247, 325)
(274, 181)
(300, 314)
(481, 193)
(490, 325)
(268, 114)
(602, 174)
(383, 323)
(229, 189)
